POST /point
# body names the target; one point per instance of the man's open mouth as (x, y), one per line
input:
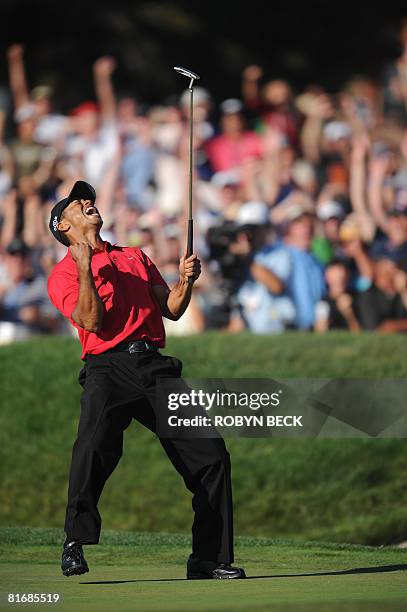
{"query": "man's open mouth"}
(91, 210)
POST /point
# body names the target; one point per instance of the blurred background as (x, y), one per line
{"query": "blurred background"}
(300, 150)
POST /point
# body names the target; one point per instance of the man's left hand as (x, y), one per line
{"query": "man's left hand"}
(189, 267)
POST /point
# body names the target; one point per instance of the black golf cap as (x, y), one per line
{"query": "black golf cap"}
(80, 191)
(18, 247)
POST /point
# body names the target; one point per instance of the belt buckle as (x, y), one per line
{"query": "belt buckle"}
(139, 343)
(132, 347)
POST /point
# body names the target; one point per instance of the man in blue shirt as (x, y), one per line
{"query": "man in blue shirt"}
(265, 306)
(268, 308)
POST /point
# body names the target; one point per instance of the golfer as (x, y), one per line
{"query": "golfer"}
(116, 298)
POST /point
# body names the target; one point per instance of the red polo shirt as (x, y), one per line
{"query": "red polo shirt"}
(124, 277)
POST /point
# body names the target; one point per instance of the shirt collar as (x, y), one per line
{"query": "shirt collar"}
(106, 247)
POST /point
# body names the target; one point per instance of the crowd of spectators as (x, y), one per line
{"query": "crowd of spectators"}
(300, 198)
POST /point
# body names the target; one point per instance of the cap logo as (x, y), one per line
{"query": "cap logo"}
(55, 223)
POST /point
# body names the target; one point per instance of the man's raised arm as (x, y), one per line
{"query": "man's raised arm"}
(174, 303)
(88, 312)
(103, 69)
(18, 83)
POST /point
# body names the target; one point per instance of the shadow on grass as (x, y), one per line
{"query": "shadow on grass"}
(357, 570)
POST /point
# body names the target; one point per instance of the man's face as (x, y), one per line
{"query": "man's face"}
(337, 278)
(340, 145)
(126, 109)
(25, 130)
(43, 107)
(277, 93)
(384, 275)
(79, 216)
(86, 124)
(301, 231)
(229, 193)
(146, 237)
(17, 266)
(331, 229)
(232, 123)
(397, 229)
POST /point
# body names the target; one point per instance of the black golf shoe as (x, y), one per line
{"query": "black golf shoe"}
(198, 569)
(73, 562)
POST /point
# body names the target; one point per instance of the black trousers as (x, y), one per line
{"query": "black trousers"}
(119, 387)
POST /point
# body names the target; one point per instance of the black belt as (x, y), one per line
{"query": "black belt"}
(135, 346)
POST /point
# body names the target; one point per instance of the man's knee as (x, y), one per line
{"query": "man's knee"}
(100, 445)
(220, 452)
(220, 465)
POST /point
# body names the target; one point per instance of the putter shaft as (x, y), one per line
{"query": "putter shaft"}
(192, 76)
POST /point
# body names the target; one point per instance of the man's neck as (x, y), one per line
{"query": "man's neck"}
(93, 239)
(302, 245)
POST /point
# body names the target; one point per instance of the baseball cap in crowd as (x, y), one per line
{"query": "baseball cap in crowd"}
(225, 178)
(201, 96)
(336, 130)
(172, 231)
(85, 107)
(293, 207)
(80, 191)
(18, 247)
(253, 213)
(42, 92)
(329, 209)
(231, 106)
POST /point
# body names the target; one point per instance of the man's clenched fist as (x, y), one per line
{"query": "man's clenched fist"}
(81, 254)
(189, 267)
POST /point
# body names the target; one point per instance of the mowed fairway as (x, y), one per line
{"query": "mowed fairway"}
(132, 571)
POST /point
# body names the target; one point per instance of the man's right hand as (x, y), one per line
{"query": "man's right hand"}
(81, 254)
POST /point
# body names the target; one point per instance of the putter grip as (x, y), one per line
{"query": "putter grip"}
(190, 243)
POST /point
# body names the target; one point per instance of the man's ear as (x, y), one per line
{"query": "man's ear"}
(64, 225)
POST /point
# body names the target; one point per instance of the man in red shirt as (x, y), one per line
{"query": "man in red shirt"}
(235, 145)
(115, 297)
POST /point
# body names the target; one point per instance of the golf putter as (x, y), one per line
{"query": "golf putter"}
(193, 77)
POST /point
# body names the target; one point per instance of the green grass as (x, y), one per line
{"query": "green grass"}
(334, 490)
(145, 572)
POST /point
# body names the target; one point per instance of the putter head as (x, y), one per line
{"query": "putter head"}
(188, 73)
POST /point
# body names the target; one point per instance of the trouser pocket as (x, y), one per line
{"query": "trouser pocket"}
(82, 376)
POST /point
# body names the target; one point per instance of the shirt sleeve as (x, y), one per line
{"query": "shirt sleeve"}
(153, 273)
(63, 292)
(278, 261)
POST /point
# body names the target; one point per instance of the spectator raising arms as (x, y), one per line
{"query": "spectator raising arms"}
(300, 196)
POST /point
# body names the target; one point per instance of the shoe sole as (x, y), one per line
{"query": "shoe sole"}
(206, 577)
(75, 570)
